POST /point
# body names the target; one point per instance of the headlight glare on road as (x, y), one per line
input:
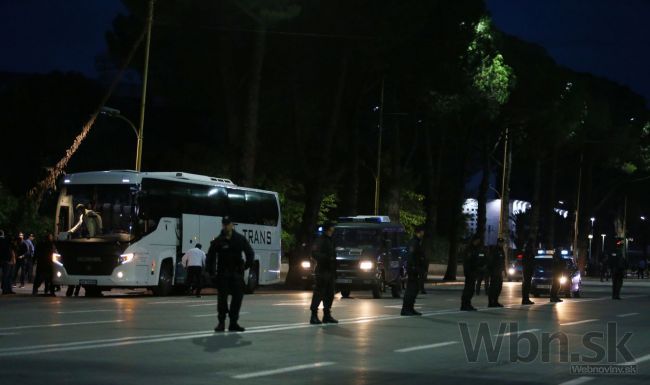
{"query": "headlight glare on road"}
(365, 265)
(563, 280)
(126, 258)
(511, 271)
(305, 264)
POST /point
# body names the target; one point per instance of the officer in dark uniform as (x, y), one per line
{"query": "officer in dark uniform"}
(482, 273)
(527, 264)
(414, 265)
(225, 254)
(496, 268)
(324, 252)
(559, 267)
(470, 266)
(617, 266)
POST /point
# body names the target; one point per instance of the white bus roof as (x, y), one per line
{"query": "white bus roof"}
(134, 177)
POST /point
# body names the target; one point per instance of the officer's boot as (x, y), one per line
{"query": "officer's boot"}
(314, 318)
(328, 319)
(221, 326)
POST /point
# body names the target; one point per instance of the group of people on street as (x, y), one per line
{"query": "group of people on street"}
(17, 261)
(482, 264)
(27, 260)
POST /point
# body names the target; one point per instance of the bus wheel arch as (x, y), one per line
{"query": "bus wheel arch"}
(253, 278)
(165, 278)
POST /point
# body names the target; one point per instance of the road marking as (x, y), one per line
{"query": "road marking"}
(215, 314)
(627, 315)
(212, 303)
(423, 347)
(516, 333)
(579, 322)
(85, 311)
(578, 381)
(187, 301)
(400, 306)
(8, 334)
(282, 370)
(60, 324)
(292, 304)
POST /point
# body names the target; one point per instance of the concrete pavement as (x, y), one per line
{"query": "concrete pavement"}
(134, 338)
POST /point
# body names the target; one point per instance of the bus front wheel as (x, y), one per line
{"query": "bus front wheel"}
(165, 279)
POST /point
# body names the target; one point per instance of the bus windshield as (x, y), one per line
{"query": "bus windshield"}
(109, 210)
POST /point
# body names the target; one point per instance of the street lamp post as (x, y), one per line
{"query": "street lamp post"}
(115, 113)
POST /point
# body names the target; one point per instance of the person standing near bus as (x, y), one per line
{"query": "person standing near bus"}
(44, 265)
(6, 256)
(324, 253)
(194, 261)
(496, 268)
(225, 254)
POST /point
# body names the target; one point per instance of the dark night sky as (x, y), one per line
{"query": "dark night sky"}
(608, 38)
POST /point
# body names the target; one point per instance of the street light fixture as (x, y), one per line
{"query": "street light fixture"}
(603, 245)
(115, 113)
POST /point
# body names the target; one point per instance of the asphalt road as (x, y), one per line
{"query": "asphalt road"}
(131, 338)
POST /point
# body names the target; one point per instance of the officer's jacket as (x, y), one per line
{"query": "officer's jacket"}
(475, 257)
(226, 254)
(617, 261)
(324, 252)
(497, 259)
(415, 260)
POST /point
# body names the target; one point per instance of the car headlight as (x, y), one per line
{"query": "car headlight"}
(305, 264)
(126, 258)
(56, 257)
(366, 265)
(511, 271)
(563, 280)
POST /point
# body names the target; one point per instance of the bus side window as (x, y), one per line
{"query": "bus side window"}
(237, 209)
(269, 209)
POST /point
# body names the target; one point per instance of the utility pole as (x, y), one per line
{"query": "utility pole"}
(138, 154)
(381, 126)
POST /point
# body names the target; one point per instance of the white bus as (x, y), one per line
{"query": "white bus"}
(147, 220)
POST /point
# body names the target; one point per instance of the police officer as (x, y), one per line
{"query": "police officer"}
(558, 268)
(324, 252)
(617, 266)
(496, 268)
(414, 264)
(527, 264)
(470, 265)
(482, 273)
(225, 253)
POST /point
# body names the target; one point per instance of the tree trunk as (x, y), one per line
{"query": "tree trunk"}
(314, 189)
(433, 171)
(552, 199)
(249, 143)
(395, 187)
(350, 189)
(482, 193)
(536, 209)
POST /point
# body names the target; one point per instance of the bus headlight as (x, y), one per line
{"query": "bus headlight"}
(366, 265)
(126, 258)
(511, 271)
(305, 264)
(56, 257)
(563, 280)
